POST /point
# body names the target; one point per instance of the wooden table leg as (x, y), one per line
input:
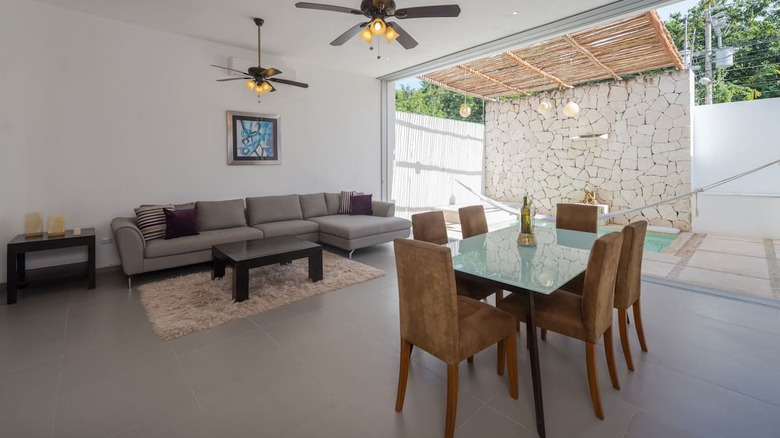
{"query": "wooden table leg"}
(315, 265)
(533, 347)
(91, 264)
(240, 282)
(12, 276)
(217, 267)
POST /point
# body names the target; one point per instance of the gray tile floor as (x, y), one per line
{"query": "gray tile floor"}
(79, 363)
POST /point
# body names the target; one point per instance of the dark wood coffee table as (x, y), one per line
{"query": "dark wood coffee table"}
(243, 256)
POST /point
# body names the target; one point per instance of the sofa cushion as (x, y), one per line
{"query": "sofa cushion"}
(203, 241)
(266, 209)
(180, 223)
(287, 228)
(218, 215)
(353, 227)
(345, 202)
(151, 221)
(313, 205)
(333, 200)
(360, 204)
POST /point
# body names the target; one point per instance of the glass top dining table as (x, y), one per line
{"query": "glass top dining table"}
(497, 260)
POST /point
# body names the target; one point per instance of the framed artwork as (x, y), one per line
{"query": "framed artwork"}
(253, 138)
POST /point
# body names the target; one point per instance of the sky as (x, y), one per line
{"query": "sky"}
(664, 12)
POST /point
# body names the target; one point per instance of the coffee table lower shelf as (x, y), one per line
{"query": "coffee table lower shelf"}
(243, 256)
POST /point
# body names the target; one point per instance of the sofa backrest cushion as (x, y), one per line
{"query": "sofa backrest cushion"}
(266, 209)
(218, 215)
(313, 205)
(333, 200)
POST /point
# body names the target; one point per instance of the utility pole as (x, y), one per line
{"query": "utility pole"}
(708, 53)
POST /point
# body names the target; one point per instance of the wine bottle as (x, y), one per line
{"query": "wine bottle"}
(525, 217)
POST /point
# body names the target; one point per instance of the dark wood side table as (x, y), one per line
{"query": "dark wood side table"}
(19, 277)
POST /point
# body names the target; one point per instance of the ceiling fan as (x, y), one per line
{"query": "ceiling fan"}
(259, 78)
(378, 11)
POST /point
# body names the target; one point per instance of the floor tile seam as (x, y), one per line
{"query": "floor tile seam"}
(731, 323)
(530, 429)
(723, 272)
(630, 421)
(59, 372)
(772, 266)
(189, 382)
(686, 252)
(712, 251)
(243, 333)
(716, 385)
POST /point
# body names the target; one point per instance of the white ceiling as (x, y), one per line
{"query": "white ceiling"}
(306, 34)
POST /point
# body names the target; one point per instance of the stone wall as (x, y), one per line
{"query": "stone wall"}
(646, 157)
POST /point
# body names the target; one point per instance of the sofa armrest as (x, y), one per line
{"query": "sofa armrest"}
(130, 244)
(383, 209)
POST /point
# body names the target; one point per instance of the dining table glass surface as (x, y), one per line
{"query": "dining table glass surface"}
(558, 257)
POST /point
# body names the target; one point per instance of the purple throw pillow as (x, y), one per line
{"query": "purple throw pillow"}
(180, 223)
(360, 204)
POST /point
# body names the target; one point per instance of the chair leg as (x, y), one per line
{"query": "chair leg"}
(501, 356)
(499, 296)
(470, 359)
(517, 323)
(622, 315)
(593, 380)
(510, 351)
(452, 400)
(403, 374)
(544, 334)
(609, 350)
(640, 331)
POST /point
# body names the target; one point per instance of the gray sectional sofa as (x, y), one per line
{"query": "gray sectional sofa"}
(312, 217)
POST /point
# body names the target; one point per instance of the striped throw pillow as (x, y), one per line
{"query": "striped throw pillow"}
(151, 221)
(345, 204)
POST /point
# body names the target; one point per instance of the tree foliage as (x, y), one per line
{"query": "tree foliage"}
(431, 100)
(754, 29)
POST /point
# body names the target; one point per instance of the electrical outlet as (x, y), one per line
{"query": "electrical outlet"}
(106, 240)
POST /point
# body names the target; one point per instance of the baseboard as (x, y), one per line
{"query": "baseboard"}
(712, 291)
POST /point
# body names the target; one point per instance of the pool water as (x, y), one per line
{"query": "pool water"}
(654, 241)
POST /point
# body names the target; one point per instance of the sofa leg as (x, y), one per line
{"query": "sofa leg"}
(350, 254)
(129, 282)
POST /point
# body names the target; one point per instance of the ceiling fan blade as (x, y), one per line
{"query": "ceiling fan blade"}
(230, 69)
(272, 88)
(321, 7)
(346, 36)
(287, 82)
(233, 79)
(428, 12)
(270, 72)
(404, 38)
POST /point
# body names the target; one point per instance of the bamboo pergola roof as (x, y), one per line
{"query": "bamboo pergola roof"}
(628, 46)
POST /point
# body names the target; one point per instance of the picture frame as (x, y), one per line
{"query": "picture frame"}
(253, 138)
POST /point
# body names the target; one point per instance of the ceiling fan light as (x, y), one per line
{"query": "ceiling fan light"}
(250, 85)
(390, 34)
(266, 87)
(366, 35)
(377, 26)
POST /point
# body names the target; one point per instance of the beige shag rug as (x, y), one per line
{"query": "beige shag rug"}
(194, 302)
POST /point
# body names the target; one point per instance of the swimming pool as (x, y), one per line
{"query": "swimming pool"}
(654, 241)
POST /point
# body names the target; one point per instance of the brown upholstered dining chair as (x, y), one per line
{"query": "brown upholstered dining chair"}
(587, 317)
(473, 223)
(430, 227)
(627, 287)
(577, 217)
(446, 325)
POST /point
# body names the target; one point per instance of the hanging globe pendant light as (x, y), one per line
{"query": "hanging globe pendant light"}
(571, 109)
(465, 110)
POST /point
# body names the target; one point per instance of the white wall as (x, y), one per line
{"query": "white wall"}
(429, 152)
(729, 139)
(97, 117)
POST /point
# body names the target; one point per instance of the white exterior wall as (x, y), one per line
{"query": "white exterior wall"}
(731, 138)
(98, 117)
(429, 152)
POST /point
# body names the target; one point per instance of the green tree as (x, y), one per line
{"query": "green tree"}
(754, 29)
(432, 100)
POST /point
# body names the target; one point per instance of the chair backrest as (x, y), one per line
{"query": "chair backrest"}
(427, 300)
(429, 227)
(472, 221)
(598, 291)
(629, 276)
(577, 217)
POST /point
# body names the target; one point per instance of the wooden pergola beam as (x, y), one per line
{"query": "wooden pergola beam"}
(536, 69)
(666, 40)
(591, 57)
(488, 78)
(454, 89)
